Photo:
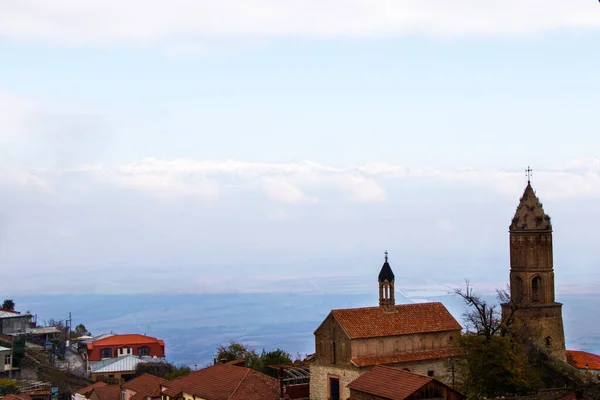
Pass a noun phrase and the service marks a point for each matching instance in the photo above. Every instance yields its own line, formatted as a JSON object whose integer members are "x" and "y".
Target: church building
{"x": 536, "y": 312}
{"x": 414, "y": 337}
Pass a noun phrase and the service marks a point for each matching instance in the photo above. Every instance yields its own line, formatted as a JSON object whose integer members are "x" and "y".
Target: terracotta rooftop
{"x": 366, "y": 361}
{"x": 144, "y": 385}
{"x": 108, "y": 392}
{"x": 20, "y": 396}
{"x": 530, "y": 215}
{"x": 406, "y": 319}
{"x": 225, "y": 382}
{"x": 389, "y": 383}
{"x": 88, "y": 389}
{"x": 583, "y": 358}
{"x": 125, "y": 339}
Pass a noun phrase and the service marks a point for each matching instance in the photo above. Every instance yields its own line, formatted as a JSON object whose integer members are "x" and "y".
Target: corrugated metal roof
{"x": 123, "y": 363}
{"x": 10, "y": 314}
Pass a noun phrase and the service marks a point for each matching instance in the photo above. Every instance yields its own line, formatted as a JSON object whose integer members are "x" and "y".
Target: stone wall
{"x": 319, "y": 380}
{"x": 402, "y": 344}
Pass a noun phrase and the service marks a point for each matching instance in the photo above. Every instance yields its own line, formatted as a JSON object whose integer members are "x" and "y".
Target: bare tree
{"x": 485, "y": 319}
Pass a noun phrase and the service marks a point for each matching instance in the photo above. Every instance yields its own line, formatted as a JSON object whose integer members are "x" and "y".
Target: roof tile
{"x": 225, "y": 382}
{"x": 406, "y": 319}
{"x": 583, "y": 358}
{"x": 144, "y": 386}
{"x": 389, "y": 383}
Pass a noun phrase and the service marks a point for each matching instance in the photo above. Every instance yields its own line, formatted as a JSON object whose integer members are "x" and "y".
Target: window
{"x": 430, "y": 372}
{"x": 7, "y": 360}
{"x": 518, "y": 289}
{"x": 548, "y": 341}
{"x": 143, "y": 351}
{"x": 106, "y": 353}
{"x": 537, "y": 290}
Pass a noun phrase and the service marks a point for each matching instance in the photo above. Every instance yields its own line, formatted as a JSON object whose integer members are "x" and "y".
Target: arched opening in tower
{"x": 518, "y": 292}
{"x": 537, "y": 290}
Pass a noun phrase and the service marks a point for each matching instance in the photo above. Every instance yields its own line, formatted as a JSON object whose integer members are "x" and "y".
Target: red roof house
{"x": 394, "y": 384}
{"x": 143, "y": 387}
{"x": 122, "y": 345}
{"x": 228, "y": 381}
{"x": 584, "y": 361}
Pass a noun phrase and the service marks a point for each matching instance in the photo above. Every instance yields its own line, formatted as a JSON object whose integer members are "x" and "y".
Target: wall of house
{"x": 402, "y": 344}
{"x": 116, "y": 375}
{"x": 442, "y": 369}
{"x": 3, "y": 365}
{"x": 332, "y": 346}
{"x": 14, "y": 325}
{"x": 319, "y": 380}
{"x": 154, "y": 349}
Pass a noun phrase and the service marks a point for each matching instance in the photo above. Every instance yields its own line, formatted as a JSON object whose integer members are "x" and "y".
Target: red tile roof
{"x": 365, "y": 361}
{"x": 570, "y": 396}
{"x": 225, "y": 382}
{"x": 144, "y": 385}
{"x": 21, "y": 396}
{"x": 371, "y": 322}
{"x": 389, "y": 383}
{"x": 88, "y": 389}
{"x": 108, "y": 392}
{"x": 583, "y": 358}
{"x": 126, "y": 339}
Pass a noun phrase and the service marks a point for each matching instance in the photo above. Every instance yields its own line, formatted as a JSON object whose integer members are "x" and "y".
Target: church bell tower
{"x": 386, "y": 286}
{"x": 532, "y": 275}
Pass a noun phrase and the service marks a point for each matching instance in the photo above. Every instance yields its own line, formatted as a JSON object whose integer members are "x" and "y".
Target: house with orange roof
{"x": 584, "y": 361}
{"x": 229, "y": 381}
{"x": 123, "y": 345}
{"x": 108, "y": 392}
{"x": 84, "y": 393}
{"x": 143, "y": 387}
{"x": 414, "y": 337}
{"x": 394, "y": 384}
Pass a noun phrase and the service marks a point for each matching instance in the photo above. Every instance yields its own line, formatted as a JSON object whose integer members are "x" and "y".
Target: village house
{"x": 5, "y": 361}
{"x": 143, "y": 387}
{"x": 229, "y": 381}
{"x": 120, "y": 368}
{"x": 386, "y": 383}
{"x": 584, "y": 361}
{"x": 84, "y": 393}
{"x": 13, "y": 322}
{"x": 108, "y": 392}
{"x": 349, "y": 342}
{"x": 123, "y": 345}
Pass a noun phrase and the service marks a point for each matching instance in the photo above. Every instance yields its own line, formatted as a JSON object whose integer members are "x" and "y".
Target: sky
{"x": 248, "y": 146}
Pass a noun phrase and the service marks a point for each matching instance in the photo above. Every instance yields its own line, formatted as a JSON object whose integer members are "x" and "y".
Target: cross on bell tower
{"x": 528, "y": 172}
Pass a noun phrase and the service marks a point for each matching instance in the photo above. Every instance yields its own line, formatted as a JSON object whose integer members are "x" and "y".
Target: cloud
{"x": 306, "y": 183}
{"x": 191, "y": 24}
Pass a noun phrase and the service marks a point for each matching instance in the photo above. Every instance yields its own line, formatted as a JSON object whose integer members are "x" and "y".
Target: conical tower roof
{"x": 530, "y": 215}
{"x": 386, "y": 272}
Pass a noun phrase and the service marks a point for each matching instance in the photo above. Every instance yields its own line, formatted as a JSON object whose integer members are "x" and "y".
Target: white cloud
{"x": 281, "y": 190}
{"x": 186, "y": 24}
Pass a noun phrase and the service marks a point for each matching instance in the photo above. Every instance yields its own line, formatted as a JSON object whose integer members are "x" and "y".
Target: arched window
{"x": 537, "y": 290}
{"x": 518, "y": 292}
{"x": 405, "y": 369}
{"x": 548, "y": 341}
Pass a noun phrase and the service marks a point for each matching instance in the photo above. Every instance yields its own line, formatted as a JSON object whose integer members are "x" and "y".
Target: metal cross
{"x": 386, "y": 255}
{"x": 528, "y": 171}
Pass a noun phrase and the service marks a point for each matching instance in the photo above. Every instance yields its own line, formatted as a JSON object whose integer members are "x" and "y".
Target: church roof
{"x": 368, "y": 322}
{"x": 386, "y": 272}
{"x": 530, "y": 215}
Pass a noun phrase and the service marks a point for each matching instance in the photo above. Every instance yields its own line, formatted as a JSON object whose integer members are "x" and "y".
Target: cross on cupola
{"x": 528, "y": 172}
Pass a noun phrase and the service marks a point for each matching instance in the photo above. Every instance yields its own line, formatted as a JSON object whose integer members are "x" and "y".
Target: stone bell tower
{"x": 386, "y": 286}
{"x": 532, "y": 275}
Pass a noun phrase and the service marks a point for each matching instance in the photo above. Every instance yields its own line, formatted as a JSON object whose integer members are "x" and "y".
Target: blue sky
{"x": 167, "y": 148}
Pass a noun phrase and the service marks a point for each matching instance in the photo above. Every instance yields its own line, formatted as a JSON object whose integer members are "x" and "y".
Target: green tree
{"x": 178, "y": 372}
{"x": 494, "y": 363}
{"x": 8, "y": 304}
{"x": 80, "y": 330}
{"x": 18, "y": 346}
{"x": 237, "y": 351}
{"x": 8, "y": 386}
{"x": 274, "y": 357}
